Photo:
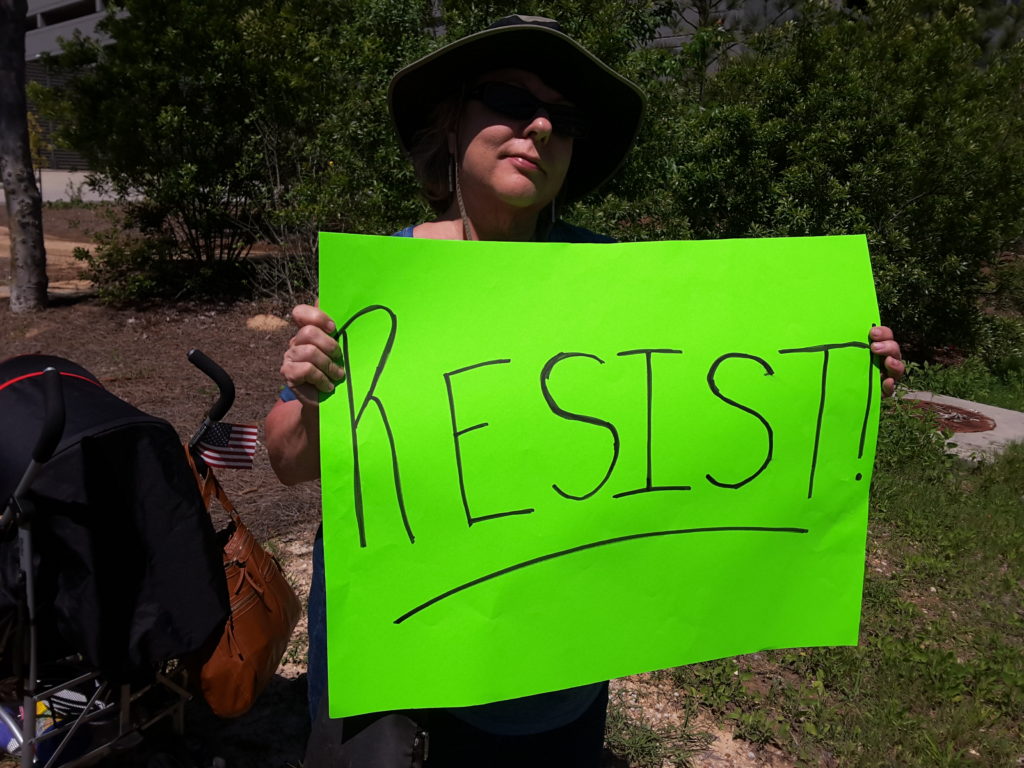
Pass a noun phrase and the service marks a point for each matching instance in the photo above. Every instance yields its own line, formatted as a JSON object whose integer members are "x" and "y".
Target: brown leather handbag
{"x": 264, "y": 611}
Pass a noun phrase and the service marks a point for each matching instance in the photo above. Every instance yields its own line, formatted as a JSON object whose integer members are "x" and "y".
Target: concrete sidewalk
{"x": 980, "y": 446}
{"x": 67, "y": 186}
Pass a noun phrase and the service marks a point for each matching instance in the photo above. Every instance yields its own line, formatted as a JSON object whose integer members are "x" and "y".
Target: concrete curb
{"x": 62, "y": 289}
{"x": 980, "y": 446}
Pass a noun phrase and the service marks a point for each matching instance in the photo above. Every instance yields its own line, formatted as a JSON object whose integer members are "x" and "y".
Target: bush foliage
{"x": 903, "y": 120}
{"x": 881, "y": 122}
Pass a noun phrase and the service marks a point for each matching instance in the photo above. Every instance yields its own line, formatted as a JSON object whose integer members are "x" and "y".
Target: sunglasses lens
{"x": 520, "y": 104}
{"x": 509, "y": 100}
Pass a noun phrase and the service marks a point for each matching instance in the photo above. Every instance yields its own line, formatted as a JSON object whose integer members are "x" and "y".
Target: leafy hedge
{"x": 894, "y": 120}
{"x": 882, "y": 122}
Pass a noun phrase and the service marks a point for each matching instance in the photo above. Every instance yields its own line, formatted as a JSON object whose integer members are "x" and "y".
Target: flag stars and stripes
{"x": 229, "y": 446}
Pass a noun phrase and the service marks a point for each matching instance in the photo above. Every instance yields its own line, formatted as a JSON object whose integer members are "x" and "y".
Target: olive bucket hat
{"x": 613, "y": 104}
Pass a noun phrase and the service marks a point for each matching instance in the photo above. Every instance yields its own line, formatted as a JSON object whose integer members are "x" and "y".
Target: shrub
{"x": 1000, "y": 343}
{"x": 129, "y": 267}
{"x": 883, "y": 122}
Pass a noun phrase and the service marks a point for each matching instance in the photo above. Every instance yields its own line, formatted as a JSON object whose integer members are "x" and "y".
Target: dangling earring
{"x": 453, "y": 173}
{"x": 467, "y": 233}
{"x": 554, "y": 214}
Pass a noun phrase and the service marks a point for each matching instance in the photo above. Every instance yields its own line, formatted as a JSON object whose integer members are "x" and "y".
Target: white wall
{"x": 44, "y": 38}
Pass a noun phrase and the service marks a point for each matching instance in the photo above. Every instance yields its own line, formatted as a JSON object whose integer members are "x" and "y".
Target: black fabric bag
{"x": 129, "y": 573}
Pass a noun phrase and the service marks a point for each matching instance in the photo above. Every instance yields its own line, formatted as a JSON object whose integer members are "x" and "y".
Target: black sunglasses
{"x": 519, "y": 104}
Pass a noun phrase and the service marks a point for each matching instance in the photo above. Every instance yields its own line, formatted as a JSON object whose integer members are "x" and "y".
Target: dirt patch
{"x": 953, "y": 419}
{"x": 663, "y": 706}
{"x": 64, "y": 229}
{"x": 72, "y": 222}
{"x": 266, "y": 323}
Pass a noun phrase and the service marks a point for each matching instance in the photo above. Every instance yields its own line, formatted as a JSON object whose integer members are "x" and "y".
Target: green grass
{"x": 636, "y": 742}
{"x": 938, "y": 677}
{"x": 974, "y": 380}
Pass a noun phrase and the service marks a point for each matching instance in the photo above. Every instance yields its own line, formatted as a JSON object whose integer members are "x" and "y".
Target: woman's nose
{"x": 539, "y": 128}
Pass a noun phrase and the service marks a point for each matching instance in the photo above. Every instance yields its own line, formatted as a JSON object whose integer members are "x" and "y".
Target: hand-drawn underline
{"x": 580, "y": 548}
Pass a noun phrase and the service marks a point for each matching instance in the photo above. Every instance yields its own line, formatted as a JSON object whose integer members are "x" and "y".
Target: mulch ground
{"x": 71, "y": 222}
{"x": 140, "y": 357}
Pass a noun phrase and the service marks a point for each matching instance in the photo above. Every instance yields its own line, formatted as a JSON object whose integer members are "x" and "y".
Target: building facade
{"x": 47, "y": 22}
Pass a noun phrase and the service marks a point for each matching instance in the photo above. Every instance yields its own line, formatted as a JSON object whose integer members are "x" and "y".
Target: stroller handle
{"x": 49, "y": 438}
{"x": 53, "y": 422}
{"x": 220, "y": 378}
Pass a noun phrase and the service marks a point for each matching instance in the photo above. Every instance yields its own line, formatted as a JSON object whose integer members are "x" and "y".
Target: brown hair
{"x": 431, "y": 159}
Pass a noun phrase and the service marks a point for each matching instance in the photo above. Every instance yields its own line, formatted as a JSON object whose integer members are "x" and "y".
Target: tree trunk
{"x": 24, "y": 204}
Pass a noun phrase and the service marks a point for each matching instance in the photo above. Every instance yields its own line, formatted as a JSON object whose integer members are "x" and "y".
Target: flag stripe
{"x": 226, "y": 451}
{"x": 225, "y": 454}
{"x": 241, "y": 446}
{"x": 230, "y": 446}
{"x": 227, "y": 464}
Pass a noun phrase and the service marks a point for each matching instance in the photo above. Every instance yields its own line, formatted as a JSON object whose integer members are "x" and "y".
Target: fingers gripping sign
{"x": 887, "y": 350}
{"x": 312, "y": 361}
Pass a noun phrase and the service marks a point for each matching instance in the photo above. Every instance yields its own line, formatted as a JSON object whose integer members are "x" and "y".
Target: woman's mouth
{"x": 524, "y": 163}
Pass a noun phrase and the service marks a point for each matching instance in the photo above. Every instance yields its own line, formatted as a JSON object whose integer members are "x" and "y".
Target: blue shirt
{"x": 559, "y": 233}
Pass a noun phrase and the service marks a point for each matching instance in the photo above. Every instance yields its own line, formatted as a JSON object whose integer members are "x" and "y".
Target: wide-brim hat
{"x": 614, "y": 104}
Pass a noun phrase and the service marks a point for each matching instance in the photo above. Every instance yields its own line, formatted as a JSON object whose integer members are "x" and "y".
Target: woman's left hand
{"x": 886, "y": 347}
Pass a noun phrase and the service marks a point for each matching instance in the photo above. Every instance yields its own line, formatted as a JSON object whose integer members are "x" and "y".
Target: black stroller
{"x": 110, "y": 569}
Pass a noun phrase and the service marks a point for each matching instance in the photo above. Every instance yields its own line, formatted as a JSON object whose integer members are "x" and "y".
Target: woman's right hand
{"x": 310, "y": 362}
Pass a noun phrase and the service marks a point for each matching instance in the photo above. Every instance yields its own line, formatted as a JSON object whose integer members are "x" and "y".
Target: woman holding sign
{"x": 504, "y": 128}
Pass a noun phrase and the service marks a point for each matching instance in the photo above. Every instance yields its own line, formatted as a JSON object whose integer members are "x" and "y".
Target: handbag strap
{"x": 209, "y": 486}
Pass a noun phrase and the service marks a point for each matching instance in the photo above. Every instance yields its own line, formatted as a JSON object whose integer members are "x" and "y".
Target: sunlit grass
{"x": 938, "y": 676}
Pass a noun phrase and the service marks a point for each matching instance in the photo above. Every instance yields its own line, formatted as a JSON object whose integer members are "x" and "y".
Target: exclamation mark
{"x": 867, "y": 406}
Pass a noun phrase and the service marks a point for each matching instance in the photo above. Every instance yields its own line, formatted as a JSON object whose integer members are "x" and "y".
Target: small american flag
{"x": 229, "y": 446}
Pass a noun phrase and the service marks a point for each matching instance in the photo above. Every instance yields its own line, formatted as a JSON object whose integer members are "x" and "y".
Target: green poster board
{"x": 553, "y": 464}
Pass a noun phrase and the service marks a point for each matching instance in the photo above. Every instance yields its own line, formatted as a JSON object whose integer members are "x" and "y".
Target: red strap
{"x": 40, "y": 373}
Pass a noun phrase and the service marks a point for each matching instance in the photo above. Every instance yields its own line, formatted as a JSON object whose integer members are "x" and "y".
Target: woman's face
{"x": 513, "y": 162}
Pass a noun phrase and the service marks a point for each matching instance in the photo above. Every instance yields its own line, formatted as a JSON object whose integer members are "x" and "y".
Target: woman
{"x": 504, "y": 127}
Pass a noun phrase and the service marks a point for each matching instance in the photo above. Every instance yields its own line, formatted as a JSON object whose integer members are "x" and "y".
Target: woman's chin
{"x": 525, "y": 199}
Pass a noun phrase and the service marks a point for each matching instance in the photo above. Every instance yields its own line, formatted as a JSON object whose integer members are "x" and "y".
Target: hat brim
{"x": 614, "y": 104}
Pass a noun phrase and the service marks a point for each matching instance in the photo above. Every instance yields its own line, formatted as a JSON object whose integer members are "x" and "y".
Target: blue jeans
{"x": 316, "y": 627}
